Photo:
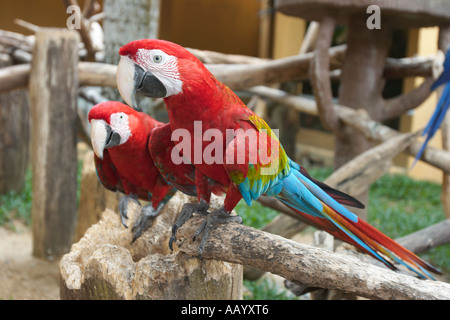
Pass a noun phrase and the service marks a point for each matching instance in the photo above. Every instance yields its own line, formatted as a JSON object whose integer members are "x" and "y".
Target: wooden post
{"x": 53, "y": 95}
{"x": 14, "y": 136}
{"x": 443, "y": 44}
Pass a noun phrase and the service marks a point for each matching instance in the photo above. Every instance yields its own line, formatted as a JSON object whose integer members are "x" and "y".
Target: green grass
{"x": 400, "y": 205}
{"x": 17, "y": 205}
{"x": 266, "y": 289}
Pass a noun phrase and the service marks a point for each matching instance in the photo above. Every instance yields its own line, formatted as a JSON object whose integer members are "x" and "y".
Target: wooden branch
{"x": 359, "y": 120}
{"x": 420, "y": 66}
{"x": 27, "y": 25}
{"x": 397, "y": 106}
{"x": 320, "y": 75}
{"x": 213, "y": 57}
{"x": 97, "y": 74}
{"x": 91, "y": 95}
{"x": 311, "y": 266}
{"x": 274, "y": 71}
{"x": 310, "y": 39}
{"x": 17, "y": 40}
{"x": 89, "y": 8}
{"x": 90, "y": 74}
{"x": 425, "y": 239}
{"x": 420, "y": 241}
{"x": 14, "y": 77}
{"x": 369, "y": 166}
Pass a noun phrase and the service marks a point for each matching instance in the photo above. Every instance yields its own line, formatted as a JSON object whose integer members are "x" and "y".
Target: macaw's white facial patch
{"x": 162, "y": 66}
{"x": 119, "y": 123}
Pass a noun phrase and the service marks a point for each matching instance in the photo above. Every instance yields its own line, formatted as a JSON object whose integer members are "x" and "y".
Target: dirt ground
{"x": 23, "y": 277}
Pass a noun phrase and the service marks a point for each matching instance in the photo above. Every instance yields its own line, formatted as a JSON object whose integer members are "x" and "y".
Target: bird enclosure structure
{"x": 50, "y": 77}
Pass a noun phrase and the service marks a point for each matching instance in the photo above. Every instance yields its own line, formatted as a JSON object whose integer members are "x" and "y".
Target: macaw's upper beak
{"x": 103, "y": 137}
{"x": 132, "y": 78}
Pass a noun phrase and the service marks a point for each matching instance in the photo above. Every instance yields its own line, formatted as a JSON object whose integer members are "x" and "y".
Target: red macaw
{"x": 200, "y": 108}
{"x": 130, "y": 157}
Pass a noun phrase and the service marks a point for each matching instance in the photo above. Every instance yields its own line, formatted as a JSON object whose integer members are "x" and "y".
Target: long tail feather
{"x": 314, "y": 205}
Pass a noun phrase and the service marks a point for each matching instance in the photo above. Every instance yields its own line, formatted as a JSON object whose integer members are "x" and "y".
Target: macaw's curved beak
{"x": 103, "y": 137}
{"x": 132, "y": 78}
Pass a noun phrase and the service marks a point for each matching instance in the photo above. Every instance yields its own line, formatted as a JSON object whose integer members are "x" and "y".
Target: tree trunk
{"x": 104, "y": 264}
{"x": 125, "y": 21}
{"x": 361, "y": 87}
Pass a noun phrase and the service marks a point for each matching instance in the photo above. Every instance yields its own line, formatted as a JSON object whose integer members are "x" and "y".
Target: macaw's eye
{"x": 157, "y": 58}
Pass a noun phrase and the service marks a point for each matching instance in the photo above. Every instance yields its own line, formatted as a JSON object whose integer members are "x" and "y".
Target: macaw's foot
{"x": 123, "y": 207}
{"x": 219, "y": 216}
{"x": 145, "y": 220}
{"x": 186, "y": 213}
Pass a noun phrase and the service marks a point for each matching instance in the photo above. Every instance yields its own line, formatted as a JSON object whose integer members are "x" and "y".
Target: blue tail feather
{"x": 436, "y": 120}
{"x": 296, "y": 194}
{"x": 441, "y": 107}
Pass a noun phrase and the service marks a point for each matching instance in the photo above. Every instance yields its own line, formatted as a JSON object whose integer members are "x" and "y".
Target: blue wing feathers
{"x": 441, "y": 107}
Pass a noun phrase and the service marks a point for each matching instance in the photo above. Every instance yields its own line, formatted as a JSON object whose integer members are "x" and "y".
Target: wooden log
{"x": 313, "y": 267}
{"x": 53, "y": 97}
{"x": 14, "y": 136}
{"x": 425, "y": 239}
{"x": 104, "y": 264}
{"x": 14, "y": 77}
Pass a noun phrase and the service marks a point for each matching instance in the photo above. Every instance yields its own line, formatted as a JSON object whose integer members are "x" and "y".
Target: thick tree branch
{"x": 308, "y": 265}
{"x": 397, "y": 106}
{"x": 320, "y": 75}
{"x": 420, "y": 66}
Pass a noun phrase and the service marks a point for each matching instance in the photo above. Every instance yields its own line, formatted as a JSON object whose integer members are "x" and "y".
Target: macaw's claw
{"x": 219, "y": 216}
{"x": 186, "y": 213}
{"x": 123, "y": 207}
{"x": 145, "y": 220}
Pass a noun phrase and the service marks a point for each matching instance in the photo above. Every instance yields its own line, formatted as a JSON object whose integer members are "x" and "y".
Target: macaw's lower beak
{"x": 132, "y": 78}
{"x": 103, "y": 137}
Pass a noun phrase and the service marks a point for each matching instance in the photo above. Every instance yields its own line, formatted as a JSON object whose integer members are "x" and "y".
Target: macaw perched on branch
{"x": 128, "y": 147}
{"x": 441, "y": 108}
{"x": 247, "y": 159}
